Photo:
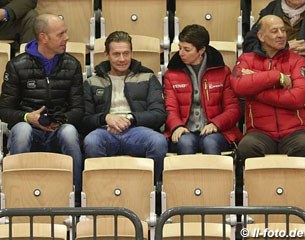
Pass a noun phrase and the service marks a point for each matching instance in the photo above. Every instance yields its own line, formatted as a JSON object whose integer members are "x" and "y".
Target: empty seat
{"x": 274, "y": 180}
{"x": 219, "y": 17}
{"x": 197, "y": 180}
{"x": 120, "y": 181}
{"x": 78, "y": 15}
{"x": 35, "y": 180}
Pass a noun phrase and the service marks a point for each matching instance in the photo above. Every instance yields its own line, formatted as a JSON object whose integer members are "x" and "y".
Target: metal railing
{"x": 243, "y": 212}
{"x": 74, "y": 214}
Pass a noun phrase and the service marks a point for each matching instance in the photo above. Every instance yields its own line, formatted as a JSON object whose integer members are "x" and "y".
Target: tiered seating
{"x": 256, "y": 7}
{"x": 120, "y": 181}
{"x": 197, "y": 180}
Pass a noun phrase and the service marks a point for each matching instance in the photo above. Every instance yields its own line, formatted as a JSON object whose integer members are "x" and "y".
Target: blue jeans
{"x": 190, "y": 143}
{"x": 135, "y": 141}
{"x": 24, "y": 138}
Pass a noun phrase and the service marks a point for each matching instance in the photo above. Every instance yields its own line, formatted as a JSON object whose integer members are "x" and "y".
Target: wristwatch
{"x": 130, "y": 117}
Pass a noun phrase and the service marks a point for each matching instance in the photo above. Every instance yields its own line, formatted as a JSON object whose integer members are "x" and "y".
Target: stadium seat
{"x": 120, "y": 181}
{"x": 227, "y": 49}
{"x": 145, "y": 49}
{"x": 274, "y": 180}
{"x": 137, "y": 17}
{"x": 21, "y": 231}
{"x": 78, "y": 15}
{"x": 220, "y": 17}
{"x": 105, "y": 228}
{"x": 197, "y": 180}
{"x": 35, "y": 180}
{"x": 256, "y": 7}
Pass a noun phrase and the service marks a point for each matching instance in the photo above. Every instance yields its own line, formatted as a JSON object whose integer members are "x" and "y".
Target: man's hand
{"x": 117, "y": 124}
{"x": 2, "y": 14}
{"x": 286, "y": 82}
{"x": 208, "y": 129}
{"x": 178, "y": 133}
{"x": 298, "y": 46}
{"x": 33, "y": 117}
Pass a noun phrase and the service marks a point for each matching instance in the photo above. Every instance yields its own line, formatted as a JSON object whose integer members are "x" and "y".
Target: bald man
{"x": 272, "y": 80}
{"x": 42, "y": 96}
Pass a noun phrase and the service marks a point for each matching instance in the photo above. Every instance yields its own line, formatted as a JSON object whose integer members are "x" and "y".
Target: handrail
{"x": 203, "y": 211}
{"x": 73, "y": 212}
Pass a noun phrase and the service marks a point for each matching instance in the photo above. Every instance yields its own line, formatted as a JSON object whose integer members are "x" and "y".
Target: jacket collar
{"x": 214, "y": 59}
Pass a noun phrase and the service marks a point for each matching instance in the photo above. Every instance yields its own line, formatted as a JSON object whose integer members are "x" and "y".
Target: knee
{"x": 22, "y": 129}
{"x": 68, "y": 133}
{"x": 159, "y": 142}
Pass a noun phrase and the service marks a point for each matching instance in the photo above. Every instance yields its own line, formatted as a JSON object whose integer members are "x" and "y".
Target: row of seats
{"x": 45, "y": 180}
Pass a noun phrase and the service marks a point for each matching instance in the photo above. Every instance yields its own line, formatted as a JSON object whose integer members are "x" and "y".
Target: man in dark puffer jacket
{"x": 123, "y": 107}
{"x": 42, "y": 96}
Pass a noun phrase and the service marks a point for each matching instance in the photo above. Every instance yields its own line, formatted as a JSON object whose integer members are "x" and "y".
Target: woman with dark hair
{"x": 202, "y": 109}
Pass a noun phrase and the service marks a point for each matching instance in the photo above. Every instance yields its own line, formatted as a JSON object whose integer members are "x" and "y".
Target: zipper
{"x": 299, "y": 117}
{"x": 251, "y": 115}
{"x": 48, "y": 89}
{"x": 206, "y": 88}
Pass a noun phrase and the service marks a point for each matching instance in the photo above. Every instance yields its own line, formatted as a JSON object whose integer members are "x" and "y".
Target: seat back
{"x": 5, "y": 52}
{"x": 119, "y": 181}
{"x": 35, "y": 180}
{"x": 77, "y": 15}
{"x": 198, "y": 180}
{"x": 145, "y": 49}
{"x": 257, "y": 6}
{"x": 137, "y": 17}
{"x": 275, "y": 181}
{"x": 219, "y": 17}
{"x": 21, "y": 231}
{"x": 105, "y": 228}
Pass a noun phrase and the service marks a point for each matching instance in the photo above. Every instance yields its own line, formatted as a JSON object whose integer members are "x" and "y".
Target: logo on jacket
{"x": 31, "y": 84}
{"x": 303, "y": 71}
{"x": 6, "y": 76}
{"x": 211, "y": 86}
{"x": 180, "y": 85}
{"x": 99, "y": 92}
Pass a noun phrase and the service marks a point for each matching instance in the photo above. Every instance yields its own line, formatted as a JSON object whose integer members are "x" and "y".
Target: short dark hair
{"x": 117, "y": 36}
{"x": 195, "y": 34}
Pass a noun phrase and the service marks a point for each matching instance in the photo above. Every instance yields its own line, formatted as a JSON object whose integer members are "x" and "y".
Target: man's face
{"x": 273, "y": 35}
{"x": 56, "y": 37}
{"x": 120, "y": 55}
{"x": 295, "y": 4}
{"x": 189, "y": 54}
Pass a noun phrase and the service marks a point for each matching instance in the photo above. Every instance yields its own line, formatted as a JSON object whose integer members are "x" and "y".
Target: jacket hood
{"x": 32, "y": 49}
{"x": 136, "y": 67}
{"x": 214, "y": 59}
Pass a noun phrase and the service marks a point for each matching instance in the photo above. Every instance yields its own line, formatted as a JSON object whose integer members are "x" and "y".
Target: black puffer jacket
{"x": 27, "y": 88}
{"x": 142, "y": 90}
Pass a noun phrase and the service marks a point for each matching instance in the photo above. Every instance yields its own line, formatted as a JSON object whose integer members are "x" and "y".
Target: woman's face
{"x": 189, "y": 54}
{"x": 295, "y": 3}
